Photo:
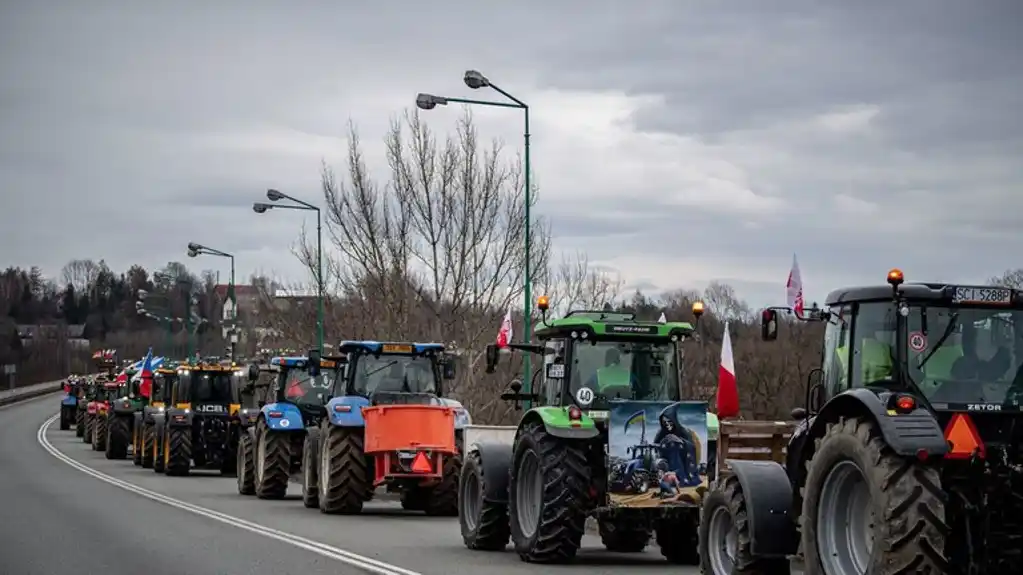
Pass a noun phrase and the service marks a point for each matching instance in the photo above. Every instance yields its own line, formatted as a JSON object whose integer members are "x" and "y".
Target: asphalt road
{"x": 66, "y": 509}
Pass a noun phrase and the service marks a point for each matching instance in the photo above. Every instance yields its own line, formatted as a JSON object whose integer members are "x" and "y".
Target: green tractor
{"x": 605, "y": 435}
{"x": 144, "y": 450}
{"x": 124, "y": 412}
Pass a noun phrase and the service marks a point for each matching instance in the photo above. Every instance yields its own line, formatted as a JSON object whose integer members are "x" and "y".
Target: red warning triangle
{"x": 963, "y": 439}
{"x": 421, "y": 464}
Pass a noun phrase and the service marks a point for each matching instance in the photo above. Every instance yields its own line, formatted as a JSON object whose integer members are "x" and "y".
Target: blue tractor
{"x": 414, "y": 454}
{"x": 271, "y": 450}
{"x": 69, "y": 403}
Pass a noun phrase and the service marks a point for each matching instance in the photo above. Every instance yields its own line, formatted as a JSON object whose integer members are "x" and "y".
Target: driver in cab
{"x": 874, "y": 349}
{"x": 613, "y": 374}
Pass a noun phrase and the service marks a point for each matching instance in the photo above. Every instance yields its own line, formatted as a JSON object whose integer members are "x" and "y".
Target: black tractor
{"x": 201, "y": 423}
{"x": 907, "y": 456}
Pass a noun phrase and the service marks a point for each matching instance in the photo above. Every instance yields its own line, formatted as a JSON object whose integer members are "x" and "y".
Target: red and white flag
{"x": 794, "y": 289}
{"x": 504, "y": 335}
{"x": 728, "y": 390}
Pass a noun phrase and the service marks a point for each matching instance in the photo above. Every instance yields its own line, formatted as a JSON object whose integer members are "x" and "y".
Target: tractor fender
{"x": 248, "y": 417}
{"x": 152, "y": 414}
{"x": 118, "y": 408}
{"x": 137, "y": 420}
{"x": 496, "y": 459}
{"x": 69, "y": 401}
{"x": 282, "y": 417}
{"x": 906, "y": 434}
{"x": 178, "y": 417}
{"x": 346, "y": 411}
{"x": 768, "y": 494}
{"x": 556, "y": 422}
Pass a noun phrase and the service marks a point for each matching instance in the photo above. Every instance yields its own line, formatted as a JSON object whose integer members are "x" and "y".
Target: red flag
{"x": 146, "y": 375}
{"x": 504, "y": 335}
{"x": 794, "y": 288}
{"x": 728, "y": 390}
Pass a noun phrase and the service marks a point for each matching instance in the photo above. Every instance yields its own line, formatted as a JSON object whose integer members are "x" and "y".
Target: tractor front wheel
{"x": 88, "y": 428}
{"x": 136, "y": 445}
{"x": 725, "y": 540}
{"x": 246, "y": 464}
{"x": 484, "y": 523}
{"x": 548, "y": 496}
{"x": 310, "y": 472}
{"x": 118, "y": 436}
{"x": 65, "y": 418}
{"x": 679, "y": 538}
{"x": 79, "y": 422}
{"x": 868, "y": 510}
{"x": 273, "y": 462}
{"x": 442, "y": 500}
{"x": 345, "y": 482}
{"x": 99, "y": 432}
{"x": 177, "y": 451}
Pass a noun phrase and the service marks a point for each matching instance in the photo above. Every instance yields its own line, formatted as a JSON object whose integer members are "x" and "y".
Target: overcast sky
{"x": 677, "y": 141}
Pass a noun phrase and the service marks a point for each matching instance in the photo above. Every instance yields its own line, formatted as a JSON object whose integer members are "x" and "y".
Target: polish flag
{"x": 146, "y": 375}
{"x": 794, "y": 289}
{"x": 504, "y": 335}
{"x": 728, "y": 391}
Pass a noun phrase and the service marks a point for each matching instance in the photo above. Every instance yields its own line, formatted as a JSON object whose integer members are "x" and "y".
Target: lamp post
{"x": 261, "y": 208}
{"x": 476, "y": 80}
{"x": 195, "y": 250}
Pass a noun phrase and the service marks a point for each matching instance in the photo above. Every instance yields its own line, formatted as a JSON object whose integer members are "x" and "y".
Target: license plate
{"x": 978, "y": 295}
{"x": 599, "y": 415}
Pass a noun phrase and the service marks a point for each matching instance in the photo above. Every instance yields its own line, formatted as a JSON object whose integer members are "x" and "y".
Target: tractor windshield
{"x": 394, "y": 373}
{"x": 302, "y": 388}
{"x": 967, "y": 355}
{"x": 626, "y": 370}
{"x": 212, "y": 387}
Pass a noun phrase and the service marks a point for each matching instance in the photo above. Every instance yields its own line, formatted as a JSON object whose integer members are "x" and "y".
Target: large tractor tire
{"x": 79, "y": 422}
{"x": 246, "y": 458}
{"x": 158, "y": 443}
{"x": 442, "y": 500}
{"x": 65, "y": 418}
{"x": 136, "y": 445}
{"x": 118, "y": 436}
{"x": 624, "y": 534}
{"x": 345, "y": 480}
{"x": 87, "y": 428}
{"x": 548, "y": 514}
{"x": 273, "y": 462}
{"x": 678, "y": 537}
{"x": 484, "y": 523}
{"x": 310, "y": 469}
{"x": 177, "y": 451}
{"x": 725, "y": 540}
{"x": 868, "y": 510}
{"x": 99, "y": 432}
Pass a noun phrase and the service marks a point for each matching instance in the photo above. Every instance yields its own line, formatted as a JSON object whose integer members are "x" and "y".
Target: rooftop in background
{"x": 294, "y": 293}
{"x": 240, "y": 291}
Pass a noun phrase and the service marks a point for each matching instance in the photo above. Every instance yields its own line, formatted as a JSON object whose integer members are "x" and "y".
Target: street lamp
{"x": 261, "y": 208}
{"x": 195, "y": 250}
{"x": 475, "y": 80}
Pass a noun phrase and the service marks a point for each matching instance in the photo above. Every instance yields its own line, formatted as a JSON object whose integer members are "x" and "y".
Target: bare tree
{"x": 81, "y": 274}
{"x": 1010, "y": 278}
{"x": 577, "y": 284}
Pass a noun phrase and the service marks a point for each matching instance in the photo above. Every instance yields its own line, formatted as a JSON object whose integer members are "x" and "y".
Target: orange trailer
{"x": 409, "y": 441}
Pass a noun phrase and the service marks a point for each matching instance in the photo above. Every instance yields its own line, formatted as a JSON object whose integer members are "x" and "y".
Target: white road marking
{"x": 366, "y": 563}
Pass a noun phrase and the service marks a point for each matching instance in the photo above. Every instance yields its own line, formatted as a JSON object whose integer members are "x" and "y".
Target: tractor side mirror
{"x": 769, "y": 325}
{"x": 492, "y": 353}
{"x": 314, "y": 362}
{"x": 448, "y": 369}
{"x": 798, "y": 413}
{"x": 515, "y": 386}
{"x": 253, "y": 372}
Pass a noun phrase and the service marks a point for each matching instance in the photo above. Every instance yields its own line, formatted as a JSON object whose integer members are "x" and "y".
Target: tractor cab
{"x": 208, "y": 388}
{"x": 394, "y": 372}
{"x": 164, "y": 378}
{"x": 300, "y": 382}
{"x": 593, "y": 358}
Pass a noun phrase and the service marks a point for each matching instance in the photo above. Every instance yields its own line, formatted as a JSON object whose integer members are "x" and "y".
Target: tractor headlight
{"x": 462, "y": 418}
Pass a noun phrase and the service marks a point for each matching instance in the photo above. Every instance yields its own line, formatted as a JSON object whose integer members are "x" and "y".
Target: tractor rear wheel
{"x": 87, "y": 434}
{"x": 65, "y": 418}
{"x": 679, "y": 538}
{"x": 548, "y": 496}
{"x": 246, "y": 464}
{"x": 624, "y": 534}
{"x": 158, "y": 464}
{"x": 484, "y": 524}
{"x": 136, "y": 445}
{"x": 725, "y": 541}
{"x": 273, "y": 462}
{"x": 99, "y": 432}
{"x": 118, "y": 435}
{"x": 345, "y": 482}
{"x": 310, "y": 472}
{"x": 177, "y": 451}
{"x": 79, "y": 422}
{"x": 442, "y": 499}
{"x": 868, "y": 510}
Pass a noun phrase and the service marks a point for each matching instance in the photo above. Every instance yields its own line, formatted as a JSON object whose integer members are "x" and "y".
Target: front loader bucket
{"x": 409, "y": 440}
